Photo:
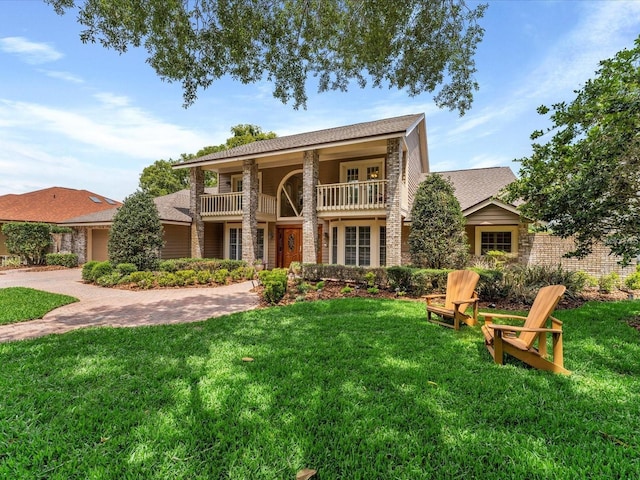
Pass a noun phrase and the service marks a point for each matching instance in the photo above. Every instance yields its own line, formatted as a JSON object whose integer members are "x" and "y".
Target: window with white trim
{"x": 357, "y": 246}
{"x": 235, "y": 243}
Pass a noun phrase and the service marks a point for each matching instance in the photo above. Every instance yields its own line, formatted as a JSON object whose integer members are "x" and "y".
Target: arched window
{"x": 290, "y": 195}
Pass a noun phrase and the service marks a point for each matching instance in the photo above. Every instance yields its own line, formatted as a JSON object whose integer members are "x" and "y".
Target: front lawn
{"x": 355, "y": 388}
{"x": 18, "y": 304}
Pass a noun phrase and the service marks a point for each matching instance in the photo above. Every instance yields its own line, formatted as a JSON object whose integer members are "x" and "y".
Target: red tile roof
{"x": 52, "y": 205}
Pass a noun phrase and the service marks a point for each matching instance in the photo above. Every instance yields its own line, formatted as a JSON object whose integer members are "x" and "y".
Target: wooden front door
{"x": 289, "y": 246}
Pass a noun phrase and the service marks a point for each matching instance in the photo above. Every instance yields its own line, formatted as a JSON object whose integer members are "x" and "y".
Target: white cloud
{"x": 30, "y": 52}
{"x": 66, "y": 76}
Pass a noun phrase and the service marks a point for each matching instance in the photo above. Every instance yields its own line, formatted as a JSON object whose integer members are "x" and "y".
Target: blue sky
{"x": 80, "y": 116}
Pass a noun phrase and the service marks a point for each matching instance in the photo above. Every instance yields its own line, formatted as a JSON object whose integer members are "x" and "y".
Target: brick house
{"x": 339, "y": 195}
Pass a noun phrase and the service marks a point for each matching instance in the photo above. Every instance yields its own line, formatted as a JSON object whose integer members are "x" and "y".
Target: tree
{"x": 29, "y": 240}
{"x": 160, "y": 178}
{"x": 136, "y": 233}
{"x": 437, "y": 238}
{"x": 413, "y": 45}
{"x": 585, "y": 180}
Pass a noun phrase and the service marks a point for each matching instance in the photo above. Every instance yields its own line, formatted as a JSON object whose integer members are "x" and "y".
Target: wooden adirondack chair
{"x": 461, "y": 285}
{"x": 519, "y": 341}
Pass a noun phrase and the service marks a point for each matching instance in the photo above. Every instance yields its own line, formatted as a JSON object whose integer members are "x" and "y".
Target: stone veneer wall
{"x": 394, "y": 219}
{"x": 545, "y": 249}
{"x": 74, "y": 242}
{"x": 310, "y": 200}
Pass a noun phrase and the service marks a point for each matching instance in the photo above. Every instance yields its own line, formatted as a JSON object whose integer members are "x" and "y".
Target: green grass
{"x": 18, "y": 304}
{"x": 355, "y": 388}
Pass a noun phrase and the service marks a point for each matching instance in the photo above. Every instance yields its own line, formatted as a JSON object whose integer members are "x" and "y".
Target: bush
{"x": 109, "y": 280}
{"x": 221, "y": 276}
{"x": 126, "y": 268}
{"x": 69, "y": 260}
{"x": 185, "y": 277}
{"x": 142, "y": 279}
{"x": 87, "y": 268}
{"x": 136, "y": 233}
{"x": 166, "y": 279}
{"x": 609, "y": 283}
{"x": 346, "y": 289}
{"x": 275, "y": 284}
{"x": 100, "y": 269}
{"x": 29, "y": 240}
{"x": 203, "y": 277}
{"x": 633, "y": 281}
{"x": 400, "y": 278}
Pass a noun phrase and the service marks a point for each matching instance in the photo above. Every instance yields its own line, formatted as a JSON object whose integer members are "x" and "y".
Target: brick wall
{"x": 545, "y": 249}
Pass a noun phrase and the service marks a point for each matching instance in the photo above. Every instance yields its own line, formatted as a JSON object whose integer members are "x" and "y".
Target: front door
{"x": 289, "y": 246}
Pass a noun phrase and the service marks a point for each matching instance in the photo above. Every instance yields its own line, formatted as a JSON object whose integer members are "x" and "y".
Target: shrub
{"x": 242, "y": 273}
{"x": 126, "y": 268}
{"x": 346, "y": 289}
{"x": 320, "y": 285}
{"x": 437, "y": 238}
{"x": 203, "y": 277}
{"x": 221, "y": 276}
{"x": 373, "y": 290}
{"x": 29, "y": 240}
{"x": 109, "y": 280}
{"x": 185, "y": 277}
{"x": 136, "y": 234}
{"x": 100, "y": 269}
{"x": 400, "y": 278}
{"x": 303, "y": 287}
{"x": 87, "y": 268}
{"x": 275, "y": 284}
{"x": 142, "y": 279}
{"x": 166, "y": 279}
{"x": 633, "y": 281}
{"x": 586, "y": 279}
{"x": 609, "y": 283}
{"x": 69, "y": 260}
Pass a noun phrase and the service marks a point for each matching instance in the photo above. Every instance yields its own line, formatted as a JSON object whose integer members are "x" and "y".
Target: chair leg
{"x": 498, "y": 347}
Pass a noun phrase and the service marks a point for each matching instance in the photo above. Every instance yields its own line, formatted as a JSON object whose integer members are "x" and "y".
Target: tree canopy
{"x": 420, "y": 46}
{"x": 437, "y": 238}
{"x": 160, "y": 178}
{"x": 585, "y": 180}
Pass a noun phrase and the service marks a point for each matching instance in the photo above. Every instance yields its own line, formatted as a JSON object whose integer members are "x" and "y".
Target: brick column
{"x": 249, "y": 210}
{"x": 310, "y": 169}
{"x": 394, "y": 220}
{"x": 196, "y": 182}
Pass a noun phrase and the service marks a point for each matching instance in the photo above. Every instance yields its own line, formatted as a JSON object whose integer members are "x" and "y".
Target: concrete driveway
{"x": 120, "y": 308}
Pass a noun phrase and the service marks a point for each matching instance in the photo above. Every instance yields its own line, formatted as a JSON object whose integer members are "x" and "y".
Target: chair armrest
{"x": 513, "y": 328}
{"x": 501, "y": 315}
{"x": 434, "y": 295}
{"x": 469, "y": 300}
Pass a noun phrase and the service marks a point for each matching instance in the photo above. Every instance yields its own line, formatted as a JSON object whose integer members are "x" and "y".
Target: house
{"x": 491, "y": 224}
{"x": 173, "y": 210}
{"x": 50, "y": 205}
{"x": 339, "y": 195}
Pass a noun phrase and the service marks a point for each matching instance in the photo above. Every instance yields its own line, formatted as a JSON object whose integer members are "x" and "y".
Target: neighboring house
{"x": 340, "y": 195}
{"x": 173, "y": 210}
{"x": 491, "y": 224}
{"x": 51, "y": 205}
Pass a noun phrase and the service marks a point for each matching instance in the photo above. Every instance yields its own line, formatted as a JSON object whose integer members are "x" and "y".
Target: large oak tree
{"x": 585, "y": 180}
{"x": 417, "y": 45}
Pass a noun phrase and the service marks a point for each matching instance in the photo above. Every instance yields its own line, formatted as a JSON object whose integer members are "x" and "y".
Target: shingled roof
{"x": 52, "y": 205}
{"x": 387, "y": 128}
{"x": 476, "y": 185}
{"x": 173, "y": 207}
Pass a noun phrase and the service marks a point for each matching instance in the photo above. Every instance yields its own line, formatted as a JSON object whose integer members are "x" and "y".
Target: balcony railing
{"x": 230, "y": 204}
{"x": 369, "y": 195}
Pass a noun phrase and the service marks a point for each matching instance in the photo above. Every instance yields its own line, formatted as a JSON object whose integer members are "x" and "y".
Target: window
{"x": 260, "y": 241}
{"x": 235, "y": 243}
{"x": 334, "y": 245}
{"x": 383, "y": 246}
{"x": 291, "y": 196}
{"x": 495, "y": 241}
{"x": 357, "y": 246}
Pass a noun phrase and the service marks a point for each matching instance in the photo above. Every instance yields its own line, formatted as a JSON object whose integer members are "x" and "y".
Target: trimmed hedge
{"x": 69, "y": 260}
{"x": 275, "y": 284}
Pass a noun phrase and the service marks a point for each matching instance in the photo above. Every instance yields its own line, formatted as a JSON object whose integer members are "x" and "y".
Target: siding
{"x": 413, "y": 168}
{"x": 99, "y": 242}
{"x": 177, "y": 241}
{"x": 213, "y": 247}
{"x": 493, "y": 215}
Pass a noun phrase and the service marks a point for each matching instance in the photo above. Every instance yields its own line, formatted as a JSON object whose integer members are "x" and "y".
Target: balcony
{"x": 353, "y": 197}
{"x": 229, "y": 206}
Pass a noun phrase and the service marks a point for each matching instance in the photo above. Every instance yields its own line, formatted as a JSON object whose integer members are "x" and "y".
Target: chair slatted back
{"x": 543, "y": 306}
{"x": 460, "y": 286}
